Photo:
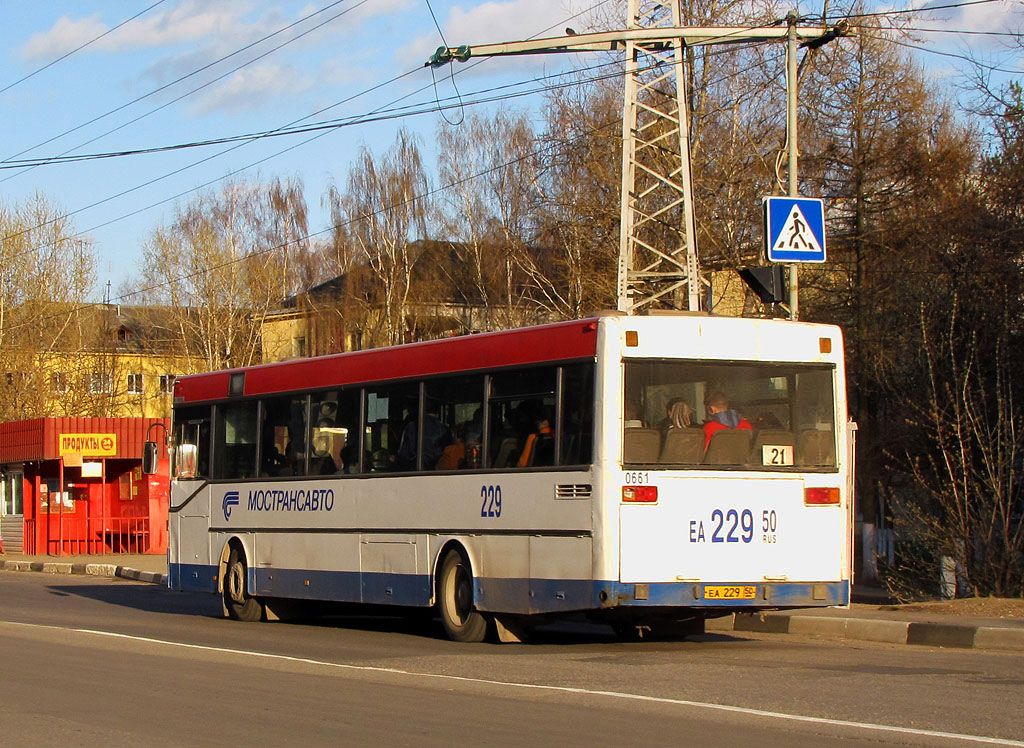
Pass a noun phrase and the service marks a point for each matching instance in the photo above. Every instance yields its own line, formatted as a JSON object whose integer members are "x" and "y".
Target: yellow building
{"x": 108, "y": 361}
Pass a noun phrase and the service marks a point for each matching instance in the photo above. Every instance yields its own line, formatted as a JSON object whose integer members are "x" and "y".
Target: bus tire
{"x": 455, "y": 601}
{"x": 239, "y": 604}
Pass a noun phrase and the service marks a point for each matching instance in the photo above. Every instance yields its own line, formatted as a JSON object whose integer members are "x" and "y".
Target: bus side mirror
{"x": 150, "y": 450}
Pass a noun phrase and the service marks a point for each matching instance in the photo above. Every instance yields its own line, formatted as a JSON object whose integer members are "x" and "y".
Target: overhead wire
{"x": 913, "y": 11}
{"x": 455, "y": 85}
{"x": 428, "y": 193}
{"x": 79, "y": 48}
{"x": 262, "y": 160}
{"x": 176, "y": 81}
{"x": 938, "y": 53}
{"x": 33, "y": 163}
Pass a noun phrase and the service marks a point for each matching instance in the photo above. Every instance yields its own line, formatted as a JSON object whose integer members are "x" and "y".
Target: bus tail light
{"x": 821, "y": 496}
{"x": 640, "y": 494}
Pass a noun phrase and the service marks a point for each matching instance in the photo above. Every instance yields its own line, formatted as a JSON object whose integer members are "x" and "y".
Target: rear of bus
{"x": 753, "y": 512}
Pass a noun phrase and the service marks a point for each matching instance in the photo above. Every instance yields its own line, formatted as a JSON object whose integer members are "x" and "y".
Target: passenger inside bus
{"x": 436, "y": 437}
{"x": 721, "y": 416}
{"x": 540, "y": 445}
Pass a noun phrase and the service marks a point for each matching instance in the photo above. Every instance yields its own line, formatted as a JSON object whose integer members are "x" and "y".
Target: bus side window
{"x": 391, "y": 415}
{"x": 520, "y": 403}
{"x": 334, "y": 434}
{"x": 283, "y": 436}
{"x": 577, "y": 418}
{"x": 457, "y": 403}
{"x": 191, "y": 454}
{"x": 235, "y": 441}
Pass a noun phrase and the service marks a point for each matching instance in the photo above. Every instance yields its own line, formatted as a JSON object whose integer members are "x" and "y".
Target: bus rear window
{"x": 754, "y": 416}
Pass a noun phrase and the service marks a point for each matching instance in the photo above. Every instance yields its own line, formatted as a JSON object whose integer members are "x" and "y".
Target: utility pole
{"x": 658, "y": 261}
{"x": 792, "y": 82}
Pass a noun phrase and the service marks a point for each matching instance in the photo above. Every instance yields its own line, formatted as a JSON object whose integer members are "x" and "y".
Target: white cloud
{"x": 65, "y": 35}
{"x": 253, "y": 87}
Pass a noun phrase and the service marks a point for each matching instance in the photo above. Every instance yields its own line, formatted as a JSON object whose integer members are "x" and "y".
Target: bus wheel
{"x": 455, "y": 600}
{"x": 239, "y": 604}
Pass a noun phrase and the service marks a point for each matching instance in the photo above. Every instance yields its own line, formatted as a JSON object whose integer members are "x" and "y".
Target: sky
{"x": 97, "y": 76}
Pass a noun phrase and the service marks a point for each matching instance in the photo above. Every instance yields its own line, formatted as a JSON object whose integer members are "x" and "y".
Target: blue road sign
{"x": 794, "y": 229}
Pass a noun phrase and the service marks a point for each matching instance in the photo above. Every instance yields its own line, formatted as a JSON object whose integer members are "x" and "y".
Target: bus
{"x": 505, "y": 479}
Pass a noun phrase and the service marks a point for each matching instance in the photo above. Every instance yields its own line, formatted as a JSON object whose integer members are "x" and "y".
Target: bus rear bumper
{"x": 723, "y": 595}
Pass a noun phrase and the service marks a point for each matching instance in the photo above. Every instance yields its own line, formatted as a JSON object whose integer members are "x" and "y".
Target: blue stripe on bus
{"x": 515, "y": 595}
{"x": 192, "y": 577}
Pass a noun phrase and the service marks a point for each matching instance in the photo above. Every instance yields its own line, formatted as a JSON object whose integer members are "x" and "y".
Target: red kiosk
{"x": 81, "y": 485}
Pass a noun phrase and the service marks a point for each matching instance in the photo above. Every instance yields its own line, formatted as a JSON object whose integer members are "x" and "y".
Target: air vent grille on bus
{"x": 573, "y": 491}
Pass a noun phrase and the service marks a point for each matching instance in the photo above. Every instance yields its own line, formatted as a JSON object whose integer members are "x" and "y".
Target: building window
{"x": 99, "y": 382}
{"x": 60, "y": 381}
{"x": 167, "y": 384}
{"x": 299, "y": 347}
{"x": 134, "y": 384}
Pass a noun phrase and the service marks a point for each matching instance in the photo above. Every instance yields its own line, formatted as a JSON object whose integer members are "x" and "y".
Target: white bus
{"x": 648, "y": 472}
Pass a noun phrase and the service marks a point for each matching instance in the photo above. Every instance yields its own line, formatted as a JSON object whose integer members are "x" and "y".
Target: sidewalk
{"x": 871, "y": 620}
{"x": 139, "y": 567}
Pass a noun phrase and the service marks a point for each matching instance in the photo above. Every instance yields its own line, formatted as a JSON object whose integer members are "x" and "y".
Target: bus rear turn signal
{"x": 640, "y": 494}
{"x": 820, "y": 496}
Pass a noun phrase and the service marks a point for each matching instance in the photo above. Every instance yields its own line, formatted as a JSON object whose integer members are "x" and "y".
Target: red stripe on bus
{"x": 531, "y": 345}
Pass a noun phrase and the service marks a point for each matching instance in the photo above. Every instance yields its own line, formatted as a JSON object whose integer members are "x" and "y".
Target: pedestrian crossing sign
{"x": 794, "y": 229}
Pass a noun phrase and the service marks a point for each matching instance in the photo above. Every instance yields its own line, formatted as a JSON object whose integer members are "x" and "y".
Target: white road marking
{"x": 541, "y": 687}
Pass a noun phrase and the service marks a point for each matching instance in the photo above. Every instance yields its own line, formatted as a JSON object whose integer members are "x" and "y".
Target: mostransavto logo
{"x": 230, "y": 500}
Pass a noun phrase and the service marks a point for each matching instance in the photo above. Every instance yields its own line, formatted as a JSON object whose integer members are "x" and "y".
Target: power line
{"x": 263, "y": 160}
{"x": 33, "y": 163}
{"x": 358, "y": 119}
{"x": 963, "y": 32}
{"x": 176, "y": 81}
{"x": 908, "y": 11}
{"x": 80, "y": 47}
{"x": 428, "y": 193}
{"x": 938, "y": 53}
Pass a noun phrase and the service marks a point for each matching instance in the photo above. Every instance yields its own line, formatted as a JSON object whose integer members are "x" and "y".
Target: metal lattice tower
{"x": 657, "y": 238}
{"x": 657, "y": 242}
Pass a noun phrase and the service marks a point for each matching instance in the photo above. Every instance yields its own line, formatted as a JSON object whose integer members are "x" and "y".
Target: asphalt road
{"x": 91, "y": 661}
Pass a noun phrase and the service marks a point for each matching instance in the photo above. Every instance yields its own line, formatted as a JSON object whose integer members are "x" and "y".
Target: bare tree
{"x": 225, "y": 260}
{"x": 488, "y": 172}
{"x": 384, "y": 208}
{"x": 46, "y": 273}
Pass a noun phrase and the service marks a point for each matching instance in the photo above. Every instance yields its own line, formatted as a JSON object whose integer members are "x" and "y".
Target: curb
{"x": 878, "y": 630}
{"x": 96, "y": 570}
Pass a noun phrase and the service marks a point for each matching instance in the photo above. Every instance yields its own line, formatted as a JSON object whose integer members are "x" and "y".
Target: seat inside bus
{"x": 641, "y": 446}
{"x": 729, "y": 447}
{"x": 816, "y": 447}
{"x": 683, "y": 447}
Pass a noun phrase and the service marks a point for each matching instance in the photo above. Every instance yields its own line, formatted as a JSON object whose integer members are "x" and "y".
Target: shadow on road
{"x": 150, "y": 598}
{"x": 419, "y": 623}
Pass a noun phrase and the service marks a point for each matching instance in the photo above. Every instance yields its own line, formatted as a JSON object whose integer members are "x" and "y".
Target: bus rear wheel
{"x": 455, "y": 600}
{"x": 239, "y": 604}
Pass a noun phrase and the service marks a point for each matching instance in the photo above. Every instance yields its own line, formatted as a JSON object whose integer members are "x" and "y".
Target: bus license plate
{"x": 731, "y": 592}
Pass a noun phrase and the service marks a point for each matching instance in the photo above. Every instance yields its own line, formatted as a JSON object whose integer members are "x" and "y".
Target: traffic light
{"x": 767, "y": 281}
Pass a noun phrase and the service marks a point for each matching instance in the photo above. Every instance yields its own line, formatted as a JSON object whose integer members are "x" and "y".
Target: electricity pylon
{"x": 658, "y": 261}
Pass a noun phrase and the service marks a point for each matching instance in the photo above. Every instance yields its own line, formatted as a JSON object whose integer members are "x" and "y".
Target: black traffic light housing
{"x": 767, "y": 281}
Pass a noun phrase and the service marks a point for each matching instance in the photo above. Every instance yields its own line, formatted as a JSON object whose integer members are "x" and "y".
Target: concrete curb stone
{"x": 96, "y": 570}
{"x": 878, "y": 630}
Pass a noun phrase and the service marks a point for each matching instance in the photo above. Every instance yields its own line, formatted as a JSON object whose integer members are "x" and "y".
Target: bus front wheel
{"x": 455, "y": 599}
{"x": 239, "y": 604}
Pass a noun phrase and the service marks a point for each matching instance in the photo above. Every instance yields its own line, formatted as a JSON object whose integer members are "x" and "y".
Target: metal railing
{"x": 87, "y": 536}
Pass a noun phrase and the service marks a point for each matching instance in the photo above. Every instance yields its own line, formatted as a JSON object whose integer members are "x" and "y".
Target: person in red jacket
{"x": 721, "y": 416}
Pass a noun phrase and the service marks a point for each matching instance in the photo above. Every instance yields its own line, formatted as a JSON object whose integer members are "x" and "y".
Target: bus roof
{"x": 561, "y": 341}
